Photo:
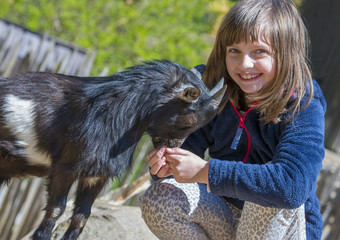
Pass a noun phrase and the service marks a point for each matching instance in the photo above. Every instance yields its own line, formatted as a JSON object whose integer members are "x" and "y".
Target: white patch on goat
{"x": 19, "y": 116}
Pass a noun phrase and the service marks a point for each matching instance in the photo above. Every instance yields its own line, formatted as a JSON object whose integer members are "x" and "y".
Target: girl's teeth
{"x": 249, "y": 76}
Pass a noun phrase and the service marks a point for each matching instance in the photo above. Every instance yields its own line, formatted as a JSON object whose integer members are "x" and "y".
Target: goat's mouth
{"x": 159, "y": 142}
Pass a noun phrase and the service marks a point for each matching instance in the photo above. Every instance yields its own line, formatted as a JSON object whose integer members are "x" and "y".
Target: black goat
{"x": 86, "y": 128}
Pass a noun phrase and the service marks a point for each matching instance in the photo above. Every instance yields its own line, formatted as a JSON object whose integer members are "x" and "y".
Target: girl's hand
{"x": 157, "y": 163}
{"x": 186, "y": 167}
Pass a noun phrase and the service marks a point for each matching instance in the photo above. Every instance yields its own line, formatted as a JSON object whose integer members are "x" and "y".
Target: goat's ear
{"x": 189, "y": 94}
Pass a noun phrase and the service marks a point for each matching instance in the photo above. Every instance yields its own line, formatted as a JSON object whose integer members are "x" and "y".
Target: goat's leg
{"x": 88, "y": 190}
{"x": 58, "y": 188}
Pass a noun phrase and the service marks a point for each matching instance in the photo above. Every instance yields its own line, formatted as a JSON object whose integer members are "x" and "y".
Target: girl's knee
{"x": 167, "y": 210}
{"x": 156, "y": 193}
{"x": 161, "y": 196}
{"x": 161, "y": 204}
{"x": 167, "y": 197}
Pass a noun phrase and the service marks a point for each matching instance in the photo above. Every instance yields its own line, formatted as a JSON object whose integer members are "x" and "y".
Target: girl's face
{"x": 251, "y": 65}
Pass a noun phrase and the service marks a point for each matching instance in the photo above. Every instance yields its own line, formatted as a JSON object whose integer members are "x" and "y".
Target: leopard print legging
{"x": 179, "y": 211}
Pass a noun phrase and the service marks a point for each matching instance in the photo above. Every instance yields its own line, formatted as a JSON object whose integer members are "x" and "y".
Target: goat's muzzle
{"x": 159, "y": 142}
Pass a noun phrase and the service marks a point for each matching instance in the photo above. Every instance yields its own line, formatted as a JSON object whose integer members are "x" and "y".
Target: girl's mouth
{"x": 249, "y": 77}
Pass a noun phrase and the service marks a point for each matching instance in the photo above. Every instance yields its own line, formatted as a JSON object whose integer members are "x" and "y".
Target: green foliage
{"x": 124, "y": 33}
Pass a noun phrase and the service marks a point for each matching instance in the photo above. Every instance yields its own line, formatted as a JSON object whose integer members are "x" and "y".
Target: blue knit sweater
{"x": 273, "y": 165}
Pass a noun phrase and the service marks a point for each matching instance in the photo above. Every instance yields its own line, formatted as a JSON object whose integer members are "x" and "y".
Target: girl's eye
{"x": 233, "y": 50}
{"x": 261, "y": 51}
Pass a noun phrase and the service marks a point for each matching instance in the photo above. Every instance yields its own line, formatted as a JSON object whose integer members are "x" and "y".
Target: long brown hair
{"x": 283, "y": 28}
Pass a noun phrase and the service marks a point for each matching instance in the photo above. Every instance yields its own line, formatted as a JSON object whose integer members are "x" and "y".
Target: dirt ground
{"x": 108, "y": 222}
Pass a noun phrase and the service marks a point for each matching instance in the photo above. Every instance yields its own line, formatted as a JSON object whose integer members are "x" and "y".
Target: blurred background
{"x": 125, "y": 32}
{"x": 101, "y": 37}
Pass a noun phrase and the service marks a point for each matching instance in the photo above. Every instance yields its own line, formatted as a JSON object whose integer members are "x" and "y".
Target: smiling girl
{"x": 266, "y": 145}
{"x": 251, "y": 65}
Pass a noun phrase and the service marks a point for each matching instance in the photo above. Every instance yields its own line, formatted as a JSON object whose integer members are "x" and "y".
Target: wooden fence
{"x": 22, "y": 50}
{"x": 328, "y": 192}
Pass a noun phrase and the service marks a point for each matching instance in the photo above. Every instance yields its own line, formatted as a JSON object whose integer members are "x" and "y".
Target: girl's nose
{"x": 247, "y": 62}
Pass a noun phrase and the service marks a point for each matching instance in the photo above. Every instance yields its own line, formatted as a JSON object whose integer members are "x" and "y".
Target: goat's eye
{"x": 191, "y": 119}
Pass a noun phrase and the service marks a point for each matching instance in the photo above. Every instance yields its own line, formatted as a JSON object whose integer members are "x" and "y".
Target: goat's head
{"x": 191, "y": 106}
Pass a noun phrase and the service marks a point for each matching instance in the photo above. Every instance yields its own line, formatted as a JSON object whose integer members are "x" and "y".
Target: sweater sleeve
{"x": 290, "y": 178}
